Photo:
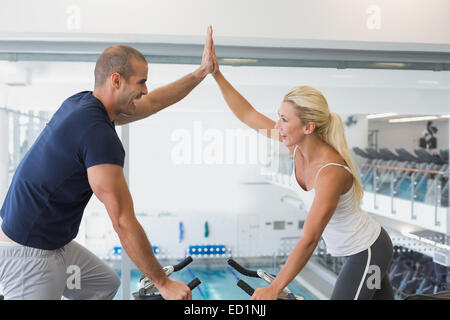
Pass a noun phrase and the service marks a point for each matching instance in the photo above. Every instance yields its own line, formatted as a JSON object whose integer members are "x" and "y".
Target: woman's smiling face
{"x": 289, "y": 125}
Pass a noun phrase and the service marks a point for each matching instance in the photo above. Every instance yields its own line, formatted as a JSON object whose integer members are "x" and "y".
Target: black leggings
{"x": 365, "y": 275}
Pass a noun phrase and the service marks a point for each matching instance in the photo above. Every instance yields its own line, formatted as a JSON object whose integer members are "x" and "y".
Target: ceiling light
{"x": 381, "y": 115}
{"x": 390, "y": 64}
{"x": 412, "y": 119}
{"x": 427, "y": 82}
{"x": 238, "y": 60}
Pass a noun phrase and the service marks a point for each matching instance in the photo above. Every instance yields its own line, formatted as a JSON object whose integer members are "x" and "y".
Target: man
{"x": 77, "y": 154}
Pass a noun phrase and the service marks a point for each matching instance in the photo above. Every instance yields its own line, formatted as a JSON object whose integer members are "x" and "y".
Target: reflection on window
{"x": 24, "y": 128}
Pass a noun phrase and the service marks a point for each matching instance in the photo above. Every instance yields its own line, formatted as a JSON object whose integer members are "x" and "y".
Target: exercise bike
{"x": 286, "y": 294}
{"x": 148, "y": 291}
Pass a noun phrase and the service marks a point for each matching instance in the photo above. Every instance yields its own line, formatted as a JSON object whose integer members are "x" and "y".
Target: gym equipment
{"x": 383, "y": 185}
{"x": 364, "y": 171}
{"x": 286, "y": 293}
{"x": 444, "y": 295}
{"x": 444, "y": 155}
{"x": 148, "y": 291}
{"x": 416, "y": 276}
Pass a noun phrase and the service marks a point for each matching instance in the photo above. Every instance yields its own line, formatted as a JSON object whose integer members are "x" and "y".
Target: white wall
{"x": 402, "y": 21}
{"x": 407, "y": 135}
{"x": 3, "y": 91}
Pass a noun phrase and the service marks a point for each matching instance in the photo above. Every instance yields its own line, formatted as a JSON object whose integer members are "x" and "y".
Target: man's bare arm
{"x": 161, "y": 98}
{"x": 109, "y": 185}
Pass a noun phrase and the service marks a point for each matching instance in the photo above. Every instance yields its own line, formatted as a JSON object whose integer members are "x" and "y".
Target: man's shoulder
{"x": 78, "y": 98}
{"x": 78, "y": 116}
{"x": 86, "y": 108}
{"x": 84, "y": 101}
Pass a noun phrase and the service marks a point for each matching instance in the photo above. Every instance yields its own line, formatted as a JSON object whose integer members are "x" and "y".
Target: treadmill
{"x": 375, "y": 154}
{"x": 427, "y": 157}
{"x": 406, "y": 156}
{"x": 389, "y": 154}
{"x": 365, "y": 172}
{"x": 361, "y": 153}
{"x": 444, "y": 155}
{"x": 386, "y": 174}
{"x": 403, "y": 186}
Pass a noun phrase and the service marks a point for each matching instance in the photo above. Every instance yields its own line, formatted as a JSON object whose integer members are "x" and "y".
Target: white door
{"x": 248, "y": 236}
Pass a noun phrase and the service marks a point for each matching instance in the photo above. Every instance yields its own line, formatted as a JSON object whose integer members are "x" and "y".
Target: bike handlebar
{"x": 182, "y": 264}
{"x": 147, "y": 291}
{"x": 177, "y": 267}
{"x": 246, "y": 287}
{"x": 241, "y": 269}
{"x": 257, "y": 274}
{"x": 249, "y": 290}
{"x": 192, "y": 285}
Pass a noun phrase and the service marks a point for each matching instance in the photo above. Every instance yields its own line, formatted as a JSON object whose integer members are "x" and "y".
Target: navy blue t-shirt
{"x": 50, "y": 189}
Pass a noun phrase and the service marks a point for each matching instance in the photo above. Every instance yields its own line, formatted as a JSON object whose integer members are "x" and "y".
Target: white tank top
{"x": 350, "y": 229}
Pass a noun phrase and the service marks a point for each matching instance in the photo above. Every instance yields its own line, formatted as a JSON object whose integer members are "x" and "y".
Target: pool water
{"x": 218, "y": 282}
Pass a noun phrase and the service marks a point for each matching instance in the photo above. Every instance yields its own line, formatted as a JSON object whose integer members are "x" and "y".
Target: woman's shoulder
{"x": 334, "y": 160}
{"x": 333, "y": 157}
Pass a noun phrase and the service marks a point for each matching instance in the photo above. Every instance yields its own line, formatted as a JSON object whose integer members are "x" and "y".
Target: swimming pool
{"x": 218, "y": 282}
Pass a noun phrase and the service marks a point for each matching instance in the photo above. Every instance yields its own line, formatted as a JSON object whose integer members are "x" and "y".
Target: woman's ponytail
{"x": 335, "y": 137}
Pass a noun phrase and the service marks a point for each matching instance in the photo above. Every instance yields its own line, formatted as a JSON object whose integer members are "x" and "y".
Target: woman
{"x": 327, "y": 181}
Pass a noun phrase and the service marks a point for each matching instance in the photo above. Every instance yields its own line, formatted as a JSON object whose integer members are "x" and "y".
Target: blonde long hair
{"x": 311, "y": 106}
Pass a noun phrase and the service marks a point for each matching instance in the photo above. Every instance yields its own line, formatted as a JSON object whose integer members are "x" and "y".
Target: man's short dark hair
{"x": 116, "y": 58}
